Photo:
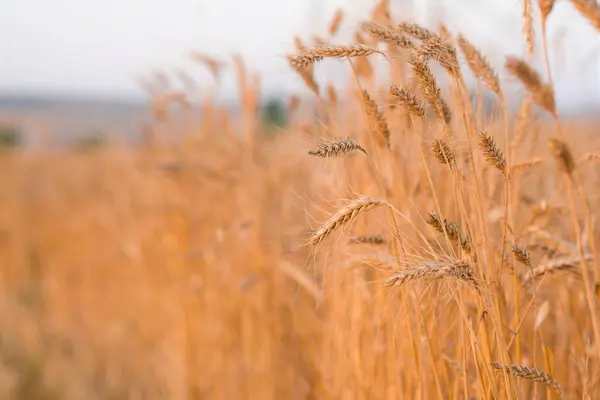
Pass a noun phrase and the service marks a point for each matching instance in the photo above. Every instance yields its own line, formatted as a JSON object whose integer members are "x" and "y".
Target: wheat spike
{"x": 590, "y": 10}
{"x": 344, "y": 51}
{"x": 387, "y": 35}
{"x": 543, "y": 94}
{"x": 426, "y": 81}
{"x": 442, "y": 52}
{"x": 528, "y": 30}
{"x": 491, "y": 152}
{"x": 408, "y": 100}
{"x": 376, "y": 117}
{"x": 336, "y": 21}
{"x": 375, "y": 240}
{"x": 455, "y": 269}
{"x": 443, "y": 151}
{"x": 479, "y": 65}
{"x": 335, "y": 148}
{"x": 344, "y": 216}
{"x": 444, "y": 112}
{"x": 546, "y": 7}
{"x": 530, "y": 373}
{"x": 557, "y": 264}
{"x": 522, "y": 255}
{"x": 453, "y": 231}
{"x": 525, "y": 165}
{"x": 562, "y": 154}
{"x": 302, "y": 62}
{"x": 590, "y": 157}
{"x": 416, "y": 31}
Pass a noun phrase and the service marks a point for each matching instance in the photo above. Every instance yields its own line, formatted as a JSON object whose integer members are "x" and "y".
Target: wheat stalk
{"x": 530, "y": 373}
{"x": 344, "y": 216}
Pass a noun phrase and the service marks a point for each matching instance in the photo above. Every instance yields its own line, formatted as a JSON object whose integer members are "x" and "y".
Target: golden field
{"x": 442, "y": 252}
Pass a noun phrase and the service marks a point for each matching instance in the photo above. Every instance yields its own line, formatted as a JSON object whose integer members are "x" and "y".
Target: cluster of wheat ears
{"x": 397, "y": 238}
{"x": 466, "y": 251}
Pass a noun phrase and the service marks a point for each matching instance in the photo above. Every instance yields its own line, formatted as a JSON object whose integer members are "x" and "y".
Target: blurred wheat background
{"x": 414, "y": 215}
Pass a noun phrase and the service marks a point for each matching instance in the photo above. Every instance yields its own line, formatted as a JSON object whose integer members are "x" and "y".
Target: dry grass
{"x": 189, "y": 267}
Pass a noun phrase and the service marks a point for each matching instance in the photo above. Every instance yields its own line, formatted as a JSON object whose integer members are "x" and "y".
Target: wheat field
{"x": 391, "y": 241}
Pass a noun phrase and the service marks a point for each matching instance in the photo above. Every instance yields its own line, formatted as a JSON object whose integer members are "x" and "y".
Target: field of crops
{"x": 392, "y": 240}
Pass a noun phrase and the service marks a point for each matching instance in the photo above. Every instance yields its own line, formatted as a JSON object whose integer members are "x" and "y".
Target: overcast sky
{"x": 99, "y": 47}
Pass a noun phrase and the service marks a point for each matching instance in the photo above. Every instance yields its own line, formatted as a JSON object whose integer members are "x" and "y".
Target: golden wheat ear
{"x": 590, "y": 10}
{"x": 344, "y": 216}
{"x": 530, "y": 373}
{"x": 543, "y": 94}
{"x": 335, "y": 148}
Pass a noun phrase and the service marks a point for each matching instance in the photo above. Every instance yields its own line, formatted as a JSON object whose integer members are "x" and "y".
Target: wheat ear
{"x": 491, "y": 152}
{"x": 590, "y": 10}
{"x": 335, "y": 148}
{"x": 479, "y": 65}
{"x": 408, "y": 100}
{"x": 456, "y": 269}
{"x": 530, "y": 373}
{"x": 543, "y": 94}
{"x": 388, "y": 35}
{"x": 344, "y": 216}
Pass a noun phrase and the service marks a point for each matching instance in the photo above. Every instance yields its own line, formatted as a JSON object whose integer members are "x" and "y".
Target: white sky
{"x": 99, "y": 47}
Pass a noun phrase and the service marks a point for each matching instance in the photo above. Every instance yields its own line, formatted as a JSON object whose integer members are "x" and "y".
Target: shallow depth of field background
{"x": 156, "y": 197}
